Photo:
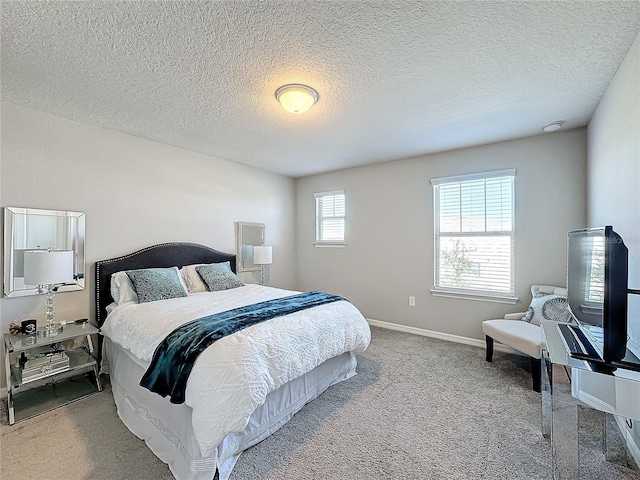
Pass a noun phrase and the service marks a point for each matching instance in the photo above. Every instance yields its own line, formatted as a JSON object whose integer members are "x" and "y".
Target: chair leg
{"x": 489, "y": 341}
{"x": 536, "y": 371}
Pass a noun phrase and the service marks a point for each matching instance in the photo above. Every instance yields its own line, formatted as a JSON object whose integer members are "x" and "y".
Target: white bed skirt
{"x": 166, "y": 427}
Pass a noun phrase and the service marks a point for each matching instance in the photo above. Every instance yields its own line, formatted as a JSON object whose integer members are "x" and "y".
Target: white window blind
{"x": 474, "y": 234}
{"x": 330, "y": 214}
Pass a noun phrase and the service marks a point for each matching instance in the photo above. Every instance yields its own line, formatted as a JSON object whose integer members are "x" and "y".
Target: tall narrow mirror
{"x": 248, "y": 235}
{"x": 36, "y": 229}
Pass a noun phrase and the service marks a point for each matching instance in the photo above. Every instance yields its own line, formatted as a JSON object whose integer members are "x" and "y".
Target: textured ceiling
{"x": 396, "y": 79}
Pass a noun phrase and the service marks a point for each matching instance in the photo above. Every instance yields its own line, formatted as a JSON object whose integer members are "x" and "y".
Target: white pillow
{"x": 192, "y": 279}
{"x": 547, "y": 306}
{"x": 122, "y": 290}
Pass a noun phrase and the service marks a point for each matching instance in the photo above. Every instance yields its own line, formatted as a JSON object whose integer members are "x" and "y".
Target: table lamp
{"x": 47, "y": 269}
{"x": 262, "y": 255}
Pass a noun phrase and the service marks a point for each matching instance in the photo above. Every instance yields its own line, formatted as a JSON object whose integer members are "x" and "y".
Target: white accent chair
{"x": 520, "y": 335}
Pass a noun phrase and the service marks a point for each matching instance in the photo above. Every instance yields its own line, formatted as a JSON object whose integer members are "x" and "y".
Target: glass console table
{"x": 568, "y": 383}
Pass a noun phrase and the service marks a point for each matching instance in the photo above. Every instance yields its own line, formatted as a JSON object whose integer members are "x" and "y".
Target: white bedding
{"x": 232, "y": 378}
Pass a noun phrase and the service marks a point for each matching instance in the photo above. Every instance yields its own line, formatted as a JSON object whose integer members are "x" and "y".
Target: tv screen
{"x": 597, "y": 288}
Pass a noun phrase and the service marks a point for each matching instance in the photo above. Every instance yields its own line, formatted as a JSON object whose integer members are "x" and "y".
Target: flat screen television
{"x": 597, "y": 289}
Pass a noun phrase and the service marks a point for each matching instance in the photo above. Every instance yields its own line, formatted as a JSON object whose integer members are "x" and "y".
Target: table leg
{"x": 564, "y": 439}
{"x": 96, "y": 369}
{"x": 7, "y": 367}
{"x": 546, "y": 381}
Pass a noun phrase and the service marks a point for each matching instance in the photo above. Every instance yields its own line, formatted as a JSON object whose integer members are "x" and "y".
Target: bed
{"x": 243, "y": 387}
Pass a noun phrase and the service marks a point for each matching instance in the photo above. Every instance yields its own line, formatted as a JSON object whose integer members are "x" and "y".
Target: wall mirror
{"x": 36, "y": 229}
{"x": 248, "y": 235}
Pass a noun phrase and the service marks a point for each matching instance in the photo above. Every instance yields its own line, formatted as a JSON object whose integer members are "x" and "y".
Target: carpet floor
{"x": 419, "y": 408}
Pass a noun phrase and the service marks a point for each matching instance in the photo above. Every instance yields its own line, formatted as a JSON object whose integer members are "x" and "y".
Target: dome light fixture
{"x": 552, "y": 127}
{"x": 296, "y": 98}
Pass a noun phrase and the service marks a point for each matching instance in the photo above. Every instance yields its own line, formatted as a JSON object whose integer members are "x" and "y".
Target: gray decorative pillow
{"x": 153, "y": 284}
{"x": 547, "y": 306}
{"x": 218, "y": 276}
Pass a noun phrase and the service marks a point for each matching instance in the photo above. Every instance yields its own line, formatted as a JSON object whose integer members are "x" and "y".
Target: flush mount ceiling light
{"x": 552, "y": 127}
{"x": 296, "y": 98}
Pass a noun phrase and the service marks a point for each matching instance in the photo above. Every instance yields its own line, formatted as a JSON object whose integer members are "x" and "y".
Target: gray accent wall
{"x": 389, "y": 229}
{"x": 135, "y": 193}
{"x": 614, "y": 172}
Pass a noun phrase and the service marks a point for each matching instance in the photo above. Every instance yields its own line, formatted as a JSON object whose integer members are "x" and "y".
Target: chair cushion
{"x": 519, "y": 335}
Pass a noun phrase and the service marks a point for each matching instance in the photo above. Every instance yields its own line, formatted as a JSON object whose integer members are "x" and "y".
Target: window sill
{"x": 475, "y": 296}
{"x": 330, "y": 245}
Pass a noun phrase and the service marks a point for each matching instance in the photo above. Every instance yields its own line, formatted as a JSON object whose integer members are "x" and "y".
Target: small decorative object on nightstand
{"x": 29, "y": 327}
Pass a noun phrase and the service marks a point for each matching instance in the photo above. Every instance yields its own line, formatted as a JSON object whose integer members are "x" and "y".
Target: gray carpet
{"x": 419, "y": 408}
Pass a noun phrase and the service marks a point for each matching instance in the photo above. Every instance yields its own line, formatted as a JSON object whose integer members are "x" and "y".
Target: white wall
{"x": 614, "y": 170}
{"x": 389, "y": 229}
{"x": 135, "y": 193}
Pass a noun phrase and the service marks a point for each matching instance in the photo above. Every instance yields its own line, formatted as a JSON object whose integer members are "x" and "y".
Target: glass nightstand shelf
{"x": 51, "y": 384}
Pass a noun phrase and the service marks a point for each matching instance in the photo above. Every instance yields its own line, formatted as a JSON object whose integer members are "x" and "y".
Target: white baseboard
{"x": 442, "y": 336}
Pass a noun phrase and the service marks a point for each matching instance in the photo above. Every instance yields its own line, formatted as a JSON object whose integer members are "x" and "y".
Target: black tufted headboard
{"x": 176, "y": 254}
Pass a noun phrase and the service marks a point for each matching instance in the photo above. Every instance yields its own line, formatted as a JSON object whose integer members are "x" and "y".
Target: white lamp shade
{"x": 262, "y": 255}
{"x": 42, "y": 267}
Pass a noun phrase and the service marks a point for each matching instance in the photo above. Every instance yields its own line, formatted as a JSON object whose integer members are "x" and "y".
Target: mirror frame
{"x": 9, "y": 288}
{"x": 242, "y": 264}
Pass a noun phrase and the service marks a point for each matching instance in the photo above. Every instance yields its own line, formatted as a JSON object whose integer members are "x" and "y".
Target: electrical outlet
{"x": 412, "y": 301}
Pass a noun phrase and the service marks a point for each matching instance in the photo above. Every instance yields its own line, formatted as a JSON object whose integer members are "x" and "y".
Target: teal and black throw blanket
{"x": 174, "y": 358}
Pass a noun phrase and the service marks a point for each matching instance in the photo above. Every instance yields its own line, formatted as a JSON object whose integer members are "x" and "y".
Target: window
{"x": 330, "y": 210}
{"x": 474, "y": 235}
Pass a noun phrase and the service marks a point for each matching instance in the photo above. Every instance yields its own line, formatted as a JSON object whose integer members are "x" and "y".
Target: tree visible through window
{"x": 474, "y": 234}
{"x": 330, "y": 215}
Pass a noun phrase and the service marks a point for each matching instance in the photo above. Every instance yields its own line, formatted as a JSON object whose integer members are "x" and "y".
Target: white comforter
{"x": 231, "y": 378}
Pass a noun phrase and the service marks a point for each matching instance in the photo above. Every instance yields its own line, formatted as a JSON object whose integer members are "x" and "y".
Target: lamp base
{"x": 52, "y": 331}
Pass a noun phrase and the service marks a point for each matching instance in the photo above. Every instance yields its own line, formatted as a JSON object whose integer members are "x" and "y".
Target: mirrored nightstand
{"x": 44, "y": 373}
